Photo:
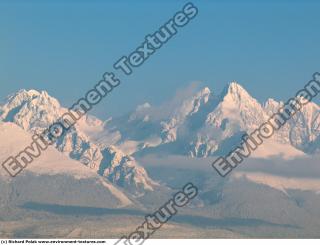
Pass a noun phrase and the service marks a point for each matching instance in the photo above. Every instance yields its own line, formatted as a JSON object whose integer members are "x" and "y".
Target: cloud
{"x": 303, "y": 167}
{"x": 167, "y": 109}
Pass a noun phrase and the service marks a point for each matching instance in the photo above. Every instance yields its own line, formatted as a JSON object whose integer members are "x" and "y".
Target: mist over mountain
{"x": 35, "y": 111}
{"x": 137, "y": 160}
{"x": 206, "y": 124}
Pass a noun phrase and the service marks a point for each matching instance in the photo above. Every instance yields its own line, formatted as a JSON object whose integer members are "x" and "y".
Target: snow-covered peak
{"x": 25, "y": 93}
{"x": 36, "y": 111}
{"x": 270, "y": 102}
{"x": 235, "y": 98}
{"x": 235, "y": 90}
{"x": 271, "y": 106}
{"x": 31, "y": 109}
{"x": 19, "y": 97}
{"x": 124, "y": 171}
{"x": 206, "y": 90}
{"x": 183, "y": 110}
{"x": 236, "y": 110}
{"x": 234, "y": 85}
{"x": 191, "y": 105}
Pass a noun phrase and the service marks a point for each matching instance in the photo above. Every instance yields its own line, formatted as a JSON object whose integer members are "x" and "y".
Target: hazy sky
{"x": 270, "y": 47}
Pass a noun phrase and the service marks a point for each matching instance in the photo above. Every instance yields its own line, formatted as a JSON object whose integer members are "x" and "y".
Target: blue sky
{"x": 270, "y": 47}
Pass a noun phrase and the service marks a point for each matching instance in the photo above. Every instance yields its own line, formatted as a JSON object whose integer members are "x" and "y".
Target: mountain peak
{"x": 30, "y": 92}
{"x": 233, "y": 91}
{"x": 33, "y": 92}
{"x": 23, "y": 94}
{"x": 30, "y": 108}
{"x": 272, "y": 102}
{"x": 27, "y": 95}
{"x": 236, "y": 111}
{"x": 234, "y": 87}
{"x": 205, "y": 90}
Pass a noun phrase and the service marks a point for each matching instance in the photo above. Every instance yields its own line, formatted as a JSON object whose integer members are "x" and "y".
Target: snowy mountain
{"x": 35, "y": 111}
{"x": 234, "y": 113}
{"x": 303, "y": 130}
{"x": 197, "y": 124}
{"x": 96, "y": 163}
{"x": 203, "y": 124}
{"x": 53, "y": 178}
